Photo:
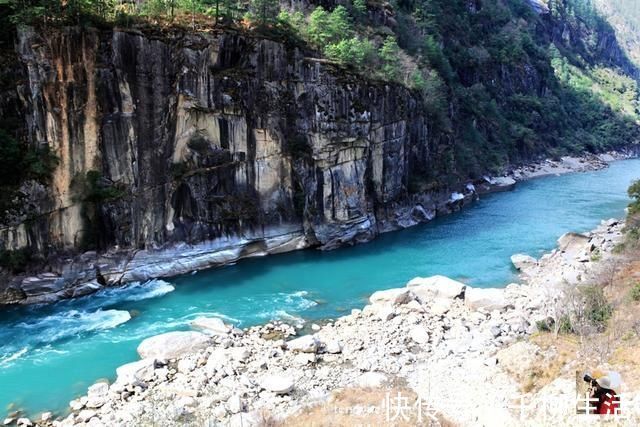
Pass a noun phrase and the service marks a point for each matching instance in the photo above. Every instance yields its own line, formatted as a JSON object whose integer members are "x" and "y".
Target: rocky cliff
{"x": 179, "y": 150}
{"x": 219, "y": 141}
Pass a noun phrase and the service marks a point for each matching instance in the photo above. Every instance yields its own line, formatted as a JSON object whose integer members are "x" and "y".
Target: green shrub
{"x": 390, "y": 56}
{"x": 635, "y": 292}
{"x": 353, "y": 51}
{"x": 597, "y": 309}
{"x": 565, "y": 326}
{"x": 543, "y": 325}
{"x": 95, "y": 189}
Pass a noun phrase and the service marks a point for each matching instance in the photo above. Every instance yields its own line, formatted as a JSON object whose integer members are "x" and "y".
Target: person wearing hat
{"x": 607, "y": 400}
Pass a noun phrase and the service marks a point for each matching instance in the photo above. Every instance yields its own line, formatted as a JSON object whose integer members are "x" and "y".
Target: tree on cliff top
{"x": 264, "y": 12}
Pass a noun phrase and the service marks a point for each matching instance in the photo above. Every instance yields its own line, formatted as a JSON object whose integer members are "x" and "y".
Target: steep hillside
{"x": 130, "y": 131}
{"x": 624, "y": 16}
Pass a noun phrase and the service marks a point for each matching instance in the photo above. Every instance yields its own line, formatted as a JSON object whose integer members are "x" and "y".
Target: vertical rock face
{"x": 209, "y": 138}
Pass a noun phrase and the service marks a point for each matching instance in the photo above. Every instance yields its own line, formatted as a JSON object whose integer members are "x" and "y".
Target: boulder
{"x": 211, "y": 325}
{"x": 488, "y": 299}
{"x": 371, "y": 380}
{"x": 234, "y": 404}
{"x": 440, "y": 306}
{"x": 142, "y": 370}
{"x": 522, "y": 261}
{"x": 277, "y": 384}
{"x": 419, "y": 335}
{"x": 391, "y": 296}
{"x": 385, "y": 312}
{"x": 430, "y": 288}
{"x": 218, "y": 360}
{"x": 172, "y": 345}
{"x": 97, "y": 395}
{"x": 85, "y": 415}
{"x": 333, "y": 347}
{"x": 304, "y": 344}
{"x": 573, "y": 243}
{"x": 240, "y": 354}
{"x": 25, "y": 422}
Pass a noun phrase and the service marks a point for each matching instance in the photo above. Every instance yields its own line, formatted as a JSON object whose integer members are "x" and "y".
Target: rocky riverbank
{"x": 456, "y": 346}
{"x": 76, "y": 276}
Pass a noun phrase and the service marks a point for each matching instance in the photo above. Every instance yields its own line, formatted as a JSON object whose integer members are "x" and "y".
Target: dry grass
{"x": 367, "y": 407}
{"x": 618, "y": 346}
{"x": 560, "y": 350}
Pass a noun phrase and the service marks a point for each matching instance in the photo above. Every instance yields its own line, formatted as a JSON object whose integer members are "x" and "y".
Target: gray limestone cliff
{"x": 190, "y": 150}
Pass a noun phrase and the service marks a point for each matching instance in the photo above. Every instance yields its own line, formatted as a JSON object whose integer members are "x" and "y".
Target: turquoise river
{"x": 50, "y": 354}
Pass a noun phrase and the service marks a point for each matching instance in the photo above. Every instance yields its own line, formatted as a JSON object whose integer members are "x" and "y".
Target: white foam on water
{"x": 192, "y": 316}
{"x": 72, "y": 322}
{"x": 6, "y": 360}
{"x": 106, "y": 319}
{"x": 297, "y": 300}
{"x": 151, "y": 289}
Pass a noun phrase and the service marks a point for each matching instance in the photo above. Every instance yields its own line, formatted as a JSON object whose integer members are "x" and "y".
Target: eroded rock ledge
{"x": 433, "y": 329}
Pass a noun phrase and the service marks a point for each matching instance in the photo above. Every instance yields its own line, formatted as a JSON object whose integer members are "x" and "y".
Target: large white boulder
{"x": 304, "y": 344}
{"x": 211, "y": 325}
{"x": 142, "y": 370}
{"x": 430, "y": 288}
{"x": 97, "y": 395}
{"x": 394, "y": 296}
{"x": 333, "y": 346}
{"x": 419, "y": 334}
{"x": 277, "y": 384}
{"x": 523, "y": 262}
{"x": 488, "y": 299}
{"x": 172, "y": 345}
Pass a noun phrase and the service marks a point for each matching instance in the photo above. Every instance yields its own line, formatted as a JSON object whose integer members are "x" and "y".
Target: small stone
{"x": 46, "y": 416}
{"x": 304, "y": 344}
{"x": 315, "y": 327}
{"x": 240, "y": 354}
{"x": 419, "y": 335}
{"x": 385, "y": 313}
{"x": 86, "y": 414}
{"x": 304, "y": 359}
{"x": 333, "y": 347}
{"x": 220, "y": 412}
{"x": 8, "y": 421}
{"x": 25, "y": 422}
{"x": 76, "y": 405}
{"x": 186, "y": 365}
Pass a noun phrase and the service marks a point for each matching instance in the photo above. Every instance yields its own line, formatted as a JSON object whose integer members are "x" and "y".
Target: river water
{"x": 51, "y": 354}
